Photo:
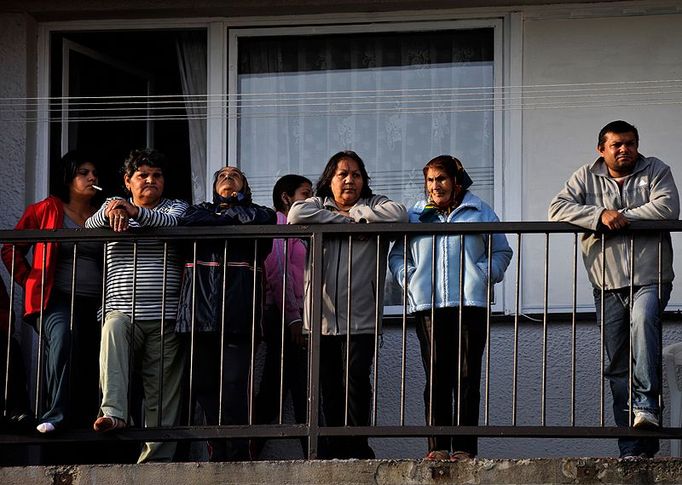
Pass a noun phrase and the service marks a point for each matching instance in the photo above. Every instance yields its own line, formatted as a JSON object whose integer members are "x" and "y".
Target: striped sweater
{"x": 148, "y": 282}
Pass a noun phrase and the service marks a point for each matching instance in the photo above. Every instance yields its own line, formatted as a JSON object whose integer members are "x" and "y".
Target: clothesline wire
{"x": 138, "y": 105}
{"x": 493, "y": 107}
{"x": 577, "y": 87}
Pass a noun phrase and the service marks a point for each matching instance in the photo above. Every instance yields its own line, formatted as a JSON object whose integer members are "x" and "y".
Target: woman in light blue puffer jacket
{"x": 448, "y": 201}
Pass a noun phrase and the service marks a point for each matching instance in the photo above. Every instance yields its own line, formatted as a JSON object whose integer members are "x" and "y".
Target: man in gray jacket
{"x": 619, "y": 187}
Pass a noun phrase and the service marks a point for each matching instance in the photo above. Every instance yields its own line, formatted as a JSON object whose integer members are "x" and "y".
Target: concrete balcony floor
{"x": 298, "y": 472}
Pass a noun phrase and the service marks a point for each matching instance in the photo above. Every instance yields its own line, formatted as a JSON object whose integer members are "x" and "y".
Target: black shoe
{"x": 21, "y": 422}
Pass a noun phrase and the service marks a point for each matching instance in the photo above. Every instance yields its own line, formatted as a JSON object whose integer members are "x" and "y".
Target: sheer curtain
{"x": 398, "y": 99}
{"x": 191, "y": 50}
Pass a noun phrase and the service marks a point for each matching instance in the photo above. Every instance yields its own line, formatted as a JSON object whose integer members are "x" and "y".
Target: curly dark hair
{"x": 145, "y": 156}
{"x": 323, "y": 187}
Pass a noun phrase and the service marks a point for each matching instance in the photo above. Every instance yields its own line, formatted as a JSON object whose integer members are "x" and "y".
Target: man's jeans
{"x": 643, "y": 327}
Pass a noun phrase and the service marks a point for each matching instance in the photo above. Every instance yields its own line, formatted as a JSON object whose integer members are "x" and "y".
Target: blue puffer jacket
{"x": 472, "y": 209}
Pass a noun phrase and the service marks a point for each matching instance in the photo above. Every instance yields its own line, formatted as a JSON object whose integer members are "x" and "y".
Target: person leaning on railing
{"x": 68, "y": 403}
{"x": 200, "y": 313}
{"x": 449, "y": 201}
{"x": 619, "y": 187}
{"x": 143, "y": 176}
{"x": 343, "y": 196}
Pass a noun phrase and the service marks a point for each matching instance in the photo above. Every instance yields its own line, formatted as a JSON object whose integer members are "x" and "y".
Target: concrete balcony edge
{"x": 537, "y": 470}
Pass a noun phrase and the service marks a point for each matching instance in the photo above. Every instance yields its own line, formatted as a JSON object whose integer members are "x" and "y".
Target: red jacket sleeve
{"x": 22, "y": 267}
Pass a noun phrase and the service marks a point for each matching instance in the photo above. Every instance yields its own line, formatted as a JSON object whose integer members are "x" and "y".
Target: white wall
{"x": 557, "y": 141}
{"x": 15, "y": 59}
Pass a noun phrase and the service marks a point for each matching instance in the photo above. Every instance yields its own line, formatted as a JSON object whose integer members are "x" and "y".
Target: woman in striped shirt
{"x": 140, "y": 303}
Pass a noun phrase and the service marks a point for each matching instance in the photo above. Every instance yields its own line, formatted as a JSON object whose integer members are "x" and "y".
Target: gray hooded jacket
{"x": 648, "y": 193}
{"x": 364, "y": 290}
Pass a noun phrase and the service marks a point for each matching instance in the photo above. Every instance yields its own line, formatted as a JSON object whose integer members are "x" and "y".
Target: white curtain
{"x": 191, "y": 49}
{"x": 398, "y": 100}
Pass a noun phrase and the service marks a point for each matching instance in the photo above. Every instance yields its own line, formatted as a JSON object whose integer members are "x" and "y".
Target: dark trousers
{"x": 206, "y": 382}
{"x": 333, "y": 391}
{"x": 442, "y": 391}
{"x": 15, "y": 379}
{"x": 71, "y": 371}
{"x": 294, "y": 366}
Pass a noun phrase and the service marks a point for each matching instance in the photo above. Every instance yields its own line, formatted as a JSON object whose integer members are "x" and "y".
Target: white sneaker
{"x": 645, "y": 419}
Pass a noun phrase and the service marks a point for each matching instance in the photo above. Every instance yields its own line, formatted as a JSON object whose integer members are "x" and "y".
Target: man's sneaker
{"x": 645, "y": 419}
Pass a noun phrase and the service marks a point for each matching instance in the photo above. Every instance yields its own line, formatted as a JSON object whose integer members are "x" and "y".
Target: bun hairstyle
{"x": 453, "y": 168}
{"x": 246, "y": 196}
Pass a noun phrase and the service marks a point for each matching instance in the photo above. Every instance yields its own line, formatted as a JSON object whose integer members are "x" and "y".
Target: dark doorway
{"x": 100, "y": 87}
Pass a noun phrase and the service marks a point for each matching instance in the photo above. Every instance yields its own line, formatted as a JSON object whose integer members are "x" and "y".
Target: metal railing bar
{"x": 192, "y": 341}
{"x": 162, "y": 331}
{"x": 221, "y": 386}
{"x": 432, "y": 329}
{"x": 293, "y": 431}
{"x": 545, "y": 298}
{"x": 252, "y": 363}
{"x": 377, "y": 322}
{"x": 631, "y": 304}
{"x": 660, "y": 323}
{"x": 5, "y": 411}
{"x": 489, "y": 299}
{"x": 574, "y": 291}
{"x": 460, "y": 316}
{"x": 602, "y": 342}
{"x": 517, "y": 311}
{"x": 403, "y": 336}
{"x": 39, "y": 364}
{"x": 300, "y": 230}
{"x": 348, "y": 330}
{"x": 283, "y": 323}
{"x": 72, "y": 306}
{"x": 131, "y": 347}
{"x": 316, "y": 270}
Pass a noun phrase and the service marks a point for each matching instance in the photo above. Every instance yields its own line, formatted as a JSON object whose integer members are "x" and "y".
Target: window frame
{"x": 222, "y": 43}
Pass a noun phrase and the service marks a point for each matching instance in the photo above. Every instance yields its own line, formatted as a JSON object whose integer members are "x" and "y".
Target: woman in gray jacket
{"x": 343, "y": 196}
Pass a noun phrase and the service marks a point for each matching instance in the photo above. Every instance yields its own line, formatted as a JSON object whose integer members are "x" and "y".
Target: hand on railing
{"x": 119, "y": 211}
{"x": 614, "y": 220}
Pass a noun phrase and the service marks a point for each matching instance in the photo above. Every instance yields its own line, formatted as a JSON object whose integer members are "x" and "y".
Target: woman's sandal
{"x": 461, "y": 455}
{"x": 437, "y": 455}
{"x": 108, "y": 423}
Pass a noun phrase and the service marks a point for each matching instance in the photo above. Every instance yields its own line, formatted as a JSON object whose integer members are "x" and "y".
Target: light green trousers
{"x": 114, "y": 365}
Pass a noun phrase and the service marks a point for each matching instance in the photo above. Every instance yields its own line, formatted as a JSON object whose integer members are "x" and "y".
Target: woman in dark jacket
{"x": 203, "y": 313}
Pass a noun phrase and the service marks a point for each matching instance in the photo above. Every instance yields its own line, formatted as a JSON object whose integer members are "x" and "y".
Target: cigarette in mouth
{"x": 97, "y": 187}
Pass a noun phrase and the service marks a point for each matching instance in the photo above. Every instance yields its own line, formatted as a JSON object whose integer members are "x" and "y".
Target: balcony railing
{"x": 553, "y": 411}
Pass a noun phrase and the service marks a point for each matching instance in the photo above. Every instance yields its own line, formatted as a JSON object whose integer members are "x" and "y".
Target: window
{"x": 398, "y": 99}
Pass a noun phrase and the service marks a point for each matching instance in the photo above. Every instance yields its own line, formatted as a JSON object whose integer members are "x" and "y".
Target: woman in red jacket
{"x": 48, "y": 286}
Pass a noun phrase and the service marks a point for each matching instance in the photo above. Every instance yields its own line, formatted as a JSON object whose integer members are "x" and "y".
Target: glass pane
{"x": 397, "y": 99}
